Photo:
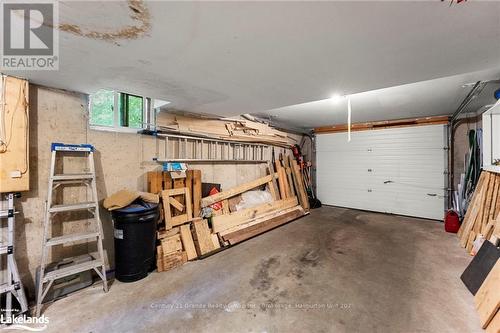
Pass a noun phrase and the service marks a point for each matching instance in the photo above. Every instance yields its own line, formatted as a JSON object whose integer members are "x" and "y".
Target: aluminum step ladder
{"x": 13, "y": 286}
{"x": 88, "y": 179}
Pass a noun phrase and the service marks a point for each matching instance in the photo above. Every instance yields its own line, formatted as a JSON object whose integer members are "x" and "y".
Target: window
{"x": 116, "y": 110}
{"x": 131, "y": 110}
{"x": 102, "y": 108}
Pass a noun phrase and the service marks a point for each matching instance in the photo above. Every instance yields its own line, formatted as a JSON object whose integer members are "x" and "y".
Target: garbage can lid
{"x": 136, "y": 207}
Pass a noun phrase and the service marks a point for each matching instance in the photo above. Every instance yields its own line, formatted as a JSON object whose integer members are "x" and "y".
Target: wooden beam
{"x": 196, "y": 193}
{"x": 203, "y": 239}
{"x": 274, "y": 183}
{"x": 207, "y": 201}
{"x": 175, "y": 191}
{"x": 155, "y": 181}
{"x": 487, "y": 298}
{"x": 299, "y": 184}
{"x": 288, "y": 173}
{"x": 167, "y": 233}
{"x": 167, "y": 180}
{"x": 176, "y": 204}
{"x": 226, "y": 221}
{"x": 187, "y": 241}
{"x": 260, "y": 219}
{"x": 171, "y": 244}
{"x": 472, "y": 211}
{"x": 282, "y": 183}
{"x": 383, "y": 124}
{"x": 257, "y": 229}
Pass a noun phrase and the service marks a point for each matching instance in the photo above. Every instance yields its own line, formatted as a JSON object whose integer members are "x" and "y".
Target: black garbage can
{"x": 135, "y": 237}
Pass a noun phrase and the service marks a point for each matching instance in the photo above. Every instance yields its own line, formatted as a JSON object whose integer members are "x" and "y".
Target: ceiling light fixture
{"x": 335, "y": 98}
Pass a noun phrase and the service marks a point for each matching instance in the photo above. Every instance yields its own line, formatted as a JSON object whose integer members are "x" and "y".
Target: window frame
{"x": 117, "y": 114}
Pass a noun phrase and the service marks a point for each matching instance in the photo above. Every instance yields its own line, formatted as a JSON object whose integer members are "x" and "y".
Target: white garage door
{"x": 397, "y": 170}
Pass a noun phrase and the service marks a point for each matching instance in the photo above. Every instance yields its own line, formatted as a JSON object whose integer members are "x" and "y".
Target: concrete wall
{"x": 122, "y": 160}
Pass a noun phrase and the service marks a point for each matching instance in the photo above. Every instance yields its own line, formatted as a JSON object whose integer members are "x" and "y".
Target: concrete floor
{"x": 336, "y": 270}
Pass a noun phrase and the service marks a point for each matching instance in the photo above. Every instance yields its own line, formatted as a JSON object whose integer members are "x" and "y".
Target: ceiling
{"x": 422, "y": 99}
{"x": 230, "y": 58}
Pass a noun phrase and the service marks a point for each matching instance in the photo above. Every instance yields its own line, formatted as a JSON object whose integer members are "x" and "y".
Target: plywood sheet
{"x": 14, "y": 135}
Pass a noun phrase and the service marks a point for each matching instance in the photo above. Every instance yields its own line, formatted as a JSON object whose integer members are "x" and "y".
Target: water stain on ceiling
{"x": 139, "y": 13}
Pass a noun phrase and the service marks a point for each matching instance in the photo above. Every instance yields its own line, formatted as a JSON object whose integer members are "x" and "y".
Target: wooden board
{"x": 487, "y": 298}
{"x": 187, "y": 241}
{"x": 171, "y": 244}
{"x": 273, "y": 185}
{"x": 223, "y": 222}
{"x": 494, "y": 325}
{"x": 299, "y": 184}
{"x": 244, "y": 234}
{"x": 288, "y": 172}
{"x": 167, "y": 233}
{"x": 196, "y": 193}
{"x": 202, "y": 237}
{"x": 177, "y": 205}
{"x": 171, "y": 261}
{"x": 207, "y": 201}
{"x": 167, "y": 180}
{"x": 159, "y": 258}
{"x": 473, "y": 210}
{"x": 14, "y": 155}
{"x": 155, "y": 182}
{"x": 215, "y": 241}
{"x": 465, "y": 226}
{"x": 282, "y": 183}
{"x": 383, "y": 124}
{"x": 227, "y": 129}
{"x": 260, "y": 219}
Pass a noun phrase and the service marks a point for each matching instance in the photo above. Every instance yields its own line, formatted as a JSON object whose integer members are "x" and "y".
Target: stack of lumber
{"x": 482, "y": 218}
{"x": 171, "y": 252}
{"x": 225, "y": 129}
{"x": 183, "y": 235}
{"x": 487, "y": 301}
{"x": 289, "y": 201}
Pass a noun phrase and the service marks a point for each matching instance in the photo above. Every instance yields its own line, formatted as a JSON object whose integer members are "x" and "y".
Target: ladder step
{"x": 72, "y": 176}
{"x": 3, "y": 249}
{"x": 70, "y": 207}
{"x": 72, "y": 269}
{"x": 4, "y": 287}
{"x": 71, "y": 238}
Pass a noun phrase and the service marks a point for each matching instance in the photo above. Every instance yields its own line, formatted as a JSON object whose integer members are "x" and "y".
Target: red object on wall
{"x": 217, "y": 205}
{"x": 451, "y": 221}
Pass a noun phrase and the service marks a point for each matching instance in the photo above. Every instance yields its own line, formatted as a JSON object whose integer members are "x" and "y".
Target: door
{"x": 396, "y": 170}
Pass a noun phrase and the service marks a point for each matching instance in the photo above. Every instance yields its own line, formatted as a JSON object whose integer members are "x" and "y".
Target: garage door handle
{"x": 388, "y": 181}
{"x": 432, "y": 194}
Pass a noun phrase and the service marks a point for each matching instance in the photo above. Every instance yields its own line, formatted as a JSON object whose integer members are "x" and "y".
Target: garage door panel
{"x": 398, "y": 170}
